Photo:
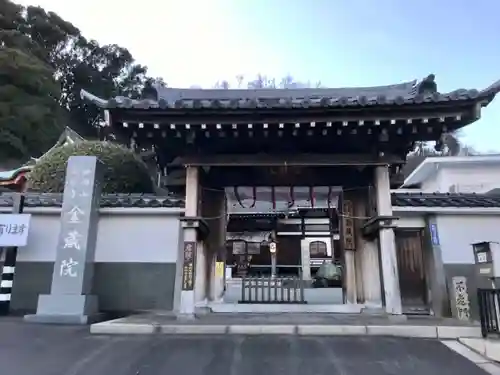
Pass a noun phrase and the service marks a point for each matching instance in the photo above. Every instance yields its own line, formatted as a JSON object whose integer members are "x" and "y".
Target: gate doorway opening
{"x": 306, "y": 239}
{"x": 412, "y": 271}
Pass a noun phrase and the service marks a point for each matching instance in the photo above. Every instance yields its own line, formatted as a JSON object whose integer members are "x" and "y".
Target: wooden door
{"x": 411, "y": 268}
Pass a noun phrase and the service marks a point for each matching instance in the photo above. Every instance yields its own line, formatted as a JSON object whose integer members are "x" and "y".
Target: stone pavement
{"x": 27, "y": 349}
{"x": 489, "y": 348}
{"x": 301, "y": 324}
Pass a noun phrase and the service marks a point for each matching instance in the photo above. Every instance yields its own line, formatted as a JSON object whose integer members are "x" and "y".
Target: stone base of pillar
{"x": 374, "y": 305}
{"x": 66, "y": 309}
{"x": 373, "y": 310}
{"x": 187, "y": 304}
{"x": 185, "y": 317}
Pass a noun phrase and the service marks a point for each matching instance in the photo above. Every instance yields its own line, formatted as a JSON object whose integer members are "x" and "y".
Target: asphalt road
{"x": 28, "y": 349}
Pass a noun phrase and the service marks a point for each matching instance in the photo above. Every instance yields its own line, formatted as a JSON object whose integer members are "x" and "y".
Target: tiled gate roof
{"x": 413, "y": 92}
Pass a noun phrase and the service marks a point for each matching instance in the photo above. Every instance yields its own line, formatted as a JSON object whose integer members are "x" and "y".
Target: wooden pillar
{"x": 388, "y": 257}
{"x": 359, "y": 211}
{"x": 213, "y": 208}
{"x": 367, "y": 260}
{"x": 371, "y": 274}
{"x": 349, "y": 251}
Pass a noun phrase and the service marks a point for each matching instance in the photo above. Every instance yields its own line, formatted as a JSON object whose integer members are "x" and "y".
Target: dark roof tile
{"x": 107, "y": 200}
{"x": 445, "y": 200}
{"x": 405, "y": 93}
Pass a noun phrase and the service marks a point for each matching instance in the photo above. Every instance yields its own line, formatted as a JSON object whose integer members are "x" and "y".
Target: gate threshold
{"x": 266, "y": 308}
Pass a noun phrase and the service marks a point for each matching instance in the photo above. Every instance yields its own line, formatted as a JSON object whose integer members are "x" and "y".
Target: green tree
{"x": 30, "y": 116}
{"x": 77, "y": 63}
{"x": 31, "y": 119}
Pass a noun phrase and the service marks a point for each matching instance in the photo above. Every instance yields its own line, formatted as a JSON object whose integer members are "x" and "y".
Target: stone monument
{"x": 70, "y": 301}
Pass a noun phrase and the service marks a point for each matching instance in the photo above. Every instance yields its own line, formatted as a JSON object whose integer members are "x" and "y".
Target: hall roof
{"x": 413, "y": 92}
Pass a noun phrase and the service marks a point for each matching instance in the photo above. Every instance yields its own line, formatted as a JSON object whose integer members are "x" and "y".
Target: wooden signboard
{"x": 188, "y": 269}
{"x": 348, "y": 227}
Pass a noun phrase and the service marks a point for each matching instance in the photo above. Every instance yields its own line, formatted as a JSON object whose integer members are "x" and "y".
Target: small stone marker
{"x": 460, "y": 301}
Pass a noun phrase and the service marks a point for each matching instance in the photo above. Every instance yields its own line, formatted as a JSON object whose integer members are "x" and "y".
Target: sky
{"x": 338, "y": 42}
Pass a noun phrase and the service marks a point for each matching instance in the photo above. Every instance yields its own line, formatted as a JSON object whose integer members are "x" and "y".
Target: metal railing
{"x": 488, "y": 301}
{"x": 288, "y": 289}
{"x": 264, "y": 270}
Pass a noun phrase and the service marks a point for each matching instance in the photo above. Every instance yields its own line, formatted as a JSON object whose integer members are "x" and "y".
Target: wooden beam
{"x": 267, "y": 160}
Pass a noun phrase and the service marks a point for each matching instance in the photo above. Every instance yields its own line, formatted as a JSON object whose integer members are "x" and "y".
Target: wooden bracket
{"x": 372, "y": 226}
{"x": 198, "y": 223}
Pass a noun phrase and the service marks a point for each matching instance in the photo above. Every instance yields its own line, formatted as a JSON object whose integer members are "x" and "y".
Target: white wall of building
{"x": 469, "y": 179}
{"x": 458, "y": 175}
{"x": 432, "y": 183}
{"x": 134, "y": 235}
{"x": 458, "y": 232}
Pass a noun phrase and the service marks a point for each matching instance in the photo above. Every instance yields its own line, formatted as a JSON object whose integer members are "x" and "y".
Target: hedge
{"x": 124, "y": 171}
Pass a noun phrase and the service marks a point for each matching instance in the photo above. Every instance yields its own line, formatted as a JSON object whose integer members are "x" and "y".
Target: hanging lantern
{"x": 273, "y": 247}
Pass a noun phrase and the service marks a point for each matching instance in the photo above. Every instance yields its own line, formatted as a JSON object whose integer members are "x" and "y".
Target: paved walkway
{"x": 27, "y": 349}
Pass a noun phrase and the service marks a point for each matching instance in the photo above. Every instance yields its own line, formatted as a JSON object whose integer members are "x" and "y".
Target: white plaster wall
{"x": 463, "y": 179}
{"x": 458, "y": 232}
{"x": 410, "y": 221}
{"x": 121, "y": 237}
{"x": 471, "y": 179}
{"x": 138, "y": 238}
{"x": 42, "y": 238}
{"x": 432, "y": 184}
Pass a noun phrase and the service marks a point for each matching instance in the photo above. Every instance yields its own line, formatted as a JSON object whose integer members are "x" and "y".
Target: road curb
{"x": 451, "y": 332}
{"x": 289, "y": 329}
{"x": 486, "y": 347}
{"x": 403, "y": 331}
{"x": 440, "y": 332}
{"x": 122, "y": 329}
{"x": 330, "y": 330}
{"x": 191, "y": 329}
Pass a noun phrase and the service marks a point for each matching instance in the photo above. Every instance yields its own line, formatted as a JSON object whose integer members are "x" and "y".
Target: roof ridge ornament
{"x": 427, "y": 85}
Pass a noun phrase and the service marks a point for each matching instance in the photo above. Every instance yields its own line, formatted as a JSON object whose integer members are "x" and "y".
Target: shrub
{"x": 124, "y": 171}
